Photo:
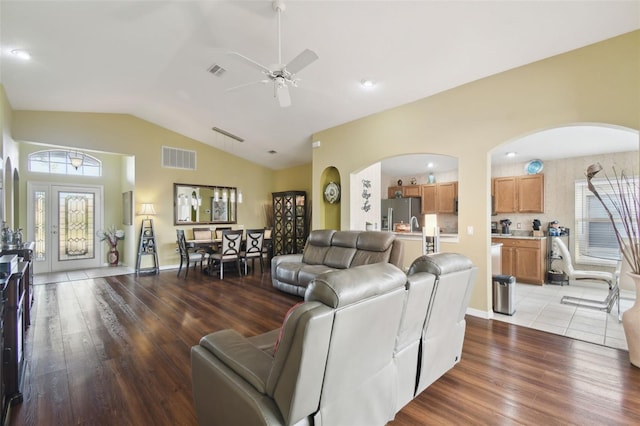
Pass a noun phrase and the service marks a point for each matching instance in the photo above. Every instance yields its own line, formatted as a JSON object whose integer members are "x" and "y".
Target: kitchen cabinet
{"x": 519, "y": 194}
{"x": 439, "y": 197}
{"x": 406, "y": 191}
{"x": 524, "y": 258}
{"x": 429, "y": 199}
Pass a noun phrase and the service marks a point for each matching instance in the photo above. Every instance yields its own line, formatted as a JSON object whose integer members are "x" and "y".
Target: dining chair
{"x": 220, "y": 230}
{"x": 188, "y": 257}
{"x": 267, "y": 246}
{"x": 202, "y": 234}
{"x": 253, "y": 249}
{"x": 229, "y": 250}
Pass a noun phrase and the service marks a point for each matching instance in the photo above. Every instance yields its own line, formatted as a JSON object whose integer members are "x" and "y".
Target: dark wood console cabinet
{"x": 15, "y": 317}
{"x": 25, "y": 252}
{"x": 13, "y": 332}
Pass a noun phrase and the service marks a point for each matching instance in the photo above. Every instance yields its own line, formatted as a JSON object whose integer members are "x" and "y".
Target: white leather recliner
{"x": 332, "y": 366}
{"x": 364, "y": 343}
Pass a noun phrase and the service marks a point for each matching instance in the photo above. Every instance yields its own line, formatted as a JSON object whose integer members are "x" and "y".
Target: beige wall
{"x": 595, "y": 84}
{"x": 293, "y": 179}
{"x": 8, "y": 161}
{"x": 140, "y": 143}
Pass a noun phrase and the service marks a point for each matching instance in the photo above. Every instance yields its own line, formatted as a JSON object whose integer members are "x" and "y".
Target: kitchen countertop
{"x": 444, "y": 237}
{"x": 518, "y": 237}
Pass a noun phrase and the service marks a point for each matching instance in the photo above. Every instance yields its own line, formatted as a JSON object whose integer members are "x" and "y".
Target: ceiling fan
{"x": 282, "y": 75}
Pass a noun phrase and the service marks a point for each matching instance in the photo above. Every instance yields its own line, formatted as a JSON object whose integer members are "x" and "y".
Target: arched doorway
{"x": 565, "y": 153}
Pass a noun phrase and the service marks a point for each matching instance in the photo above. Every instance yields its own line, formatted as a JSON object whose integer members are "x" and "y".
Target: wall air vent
{"x": 216, "y": 70}
{"x": 177, "y": 158}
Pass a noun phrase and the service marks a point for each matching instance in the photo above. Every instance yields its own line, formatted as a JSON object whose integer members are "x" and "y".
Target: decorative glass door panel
{"x": 76, "y": 224}
{"x": 62, "y": 221}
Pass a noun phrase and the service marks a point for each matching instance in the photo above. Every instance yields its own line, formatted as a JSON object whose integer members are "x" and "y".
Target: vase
{"x": 113, "y": 256}
{"x": 631, "y": 324}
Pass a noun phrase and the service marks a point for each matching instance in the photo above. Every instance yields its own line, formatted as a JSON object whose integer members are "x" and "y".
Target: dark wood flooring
{"x": 115, "y": 351}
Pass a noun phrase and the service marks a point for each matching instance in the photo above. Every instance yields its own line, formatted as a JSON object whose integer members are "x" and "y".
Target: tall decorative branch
{"x": 625, "y": 204}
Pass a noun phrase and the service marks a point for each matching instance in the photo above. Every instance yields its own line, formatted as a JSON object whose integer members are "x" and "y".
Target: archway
{"x": 330, "y": 183}
{"x": 565, "y": 153}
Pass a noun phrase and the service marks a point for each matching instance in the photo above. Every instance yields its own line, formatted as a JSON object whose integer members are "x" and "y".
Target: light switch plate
{"x": 469, "y": 230}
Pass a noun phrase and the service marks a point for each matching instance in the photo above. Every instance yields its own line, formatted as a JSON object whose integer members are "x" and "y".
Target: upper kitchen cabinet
{"x": 429, "y": 199}
{"x": 531, "y": 194}
{"x": 439, "y": 197}
{"x": 519, "y": 194}
{"x": 404, "y": 191}
{"x": 447, "y": 193}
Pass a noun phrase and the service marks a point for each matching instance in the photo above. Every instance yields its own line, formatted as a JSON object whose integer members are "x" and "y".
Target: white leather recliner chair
{"x": 333, "y": 364}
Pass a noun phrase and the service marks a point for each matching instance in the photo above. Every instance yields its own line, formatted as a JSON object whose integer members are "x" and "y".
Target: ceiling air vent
{"x": 216, "y": 70}
{"x": 178, "y": 158}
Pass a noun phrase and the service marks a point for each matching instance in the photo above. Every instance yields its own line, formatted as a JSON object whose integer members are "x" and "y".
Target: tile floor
{"x": 539, "y": 307}
{"x": 56, "y": 277}
{"x": 536, "y": 307}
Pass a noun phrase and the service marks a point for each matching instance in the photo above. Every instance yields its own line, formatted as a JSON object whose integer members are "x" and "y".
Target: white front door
{"x": 62, "y": 221}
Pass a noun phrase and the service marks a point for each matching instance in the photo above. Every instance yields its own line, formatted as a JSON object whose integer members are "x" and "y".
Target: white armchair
{"x": 575, "y": 274}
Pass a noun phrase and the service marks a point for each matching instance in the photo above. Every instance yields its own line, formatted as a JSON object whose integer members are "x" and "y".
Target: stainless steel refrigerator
{"x": 397, "y": 210}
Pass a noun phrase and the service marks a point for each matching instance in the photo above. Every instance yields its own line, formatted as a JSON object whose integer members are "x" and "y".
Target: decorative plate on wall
{"x": 332, "y": 192}
{"x": 533, "y": 167}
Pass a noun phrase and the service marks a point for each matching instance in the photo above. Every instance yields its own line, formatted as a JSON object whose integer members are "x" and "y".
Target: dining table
{"x": 212, "y": 246}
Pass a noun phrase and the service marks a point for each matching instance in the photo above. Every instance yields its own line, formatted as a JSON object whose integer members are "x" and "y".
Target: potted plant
{"x": 622, "y": 205}
{"x": 112, "y": 236}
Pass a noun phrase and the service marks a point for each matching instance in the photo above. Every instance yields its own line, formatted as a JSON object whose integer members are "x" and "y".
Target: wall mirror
{"x": 204, "y": 204}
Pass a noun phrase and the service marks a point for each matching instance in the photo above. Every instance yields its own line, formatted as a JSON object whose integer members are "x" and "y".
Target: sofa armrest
{"x": 420, "y": 289}
{"x": 295, "y": 258}
{"x": 265, "y": 341}
{"x": 236, "y": 352}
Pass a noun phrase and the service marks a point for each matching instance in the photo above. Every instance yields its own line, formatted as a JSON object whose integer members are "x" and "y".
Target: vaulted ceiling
{"x": 151, "y": 59}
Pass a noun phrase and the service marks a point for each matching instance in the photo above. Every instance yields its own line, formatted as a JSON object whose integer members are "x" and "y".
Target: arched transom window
{"x": 64, "y": 163}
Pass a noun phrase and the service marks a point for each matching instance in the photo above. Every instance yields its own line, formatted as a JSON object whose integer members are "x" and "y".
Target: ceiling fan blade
{"x": 246, "y": 84}
{"x": 282, "y": 92}
{"x": 251, "y": 62}
{"x": 301, "y": 61}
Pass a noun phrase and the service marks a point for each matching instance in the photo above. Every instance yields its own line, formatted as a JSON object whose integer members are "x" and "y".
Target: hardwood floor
{"x": 115, "y": 351}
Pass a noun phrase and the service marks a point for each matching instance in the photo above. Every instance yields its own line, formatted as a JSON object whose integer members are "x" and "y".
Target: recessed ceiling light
{"x": 510, "y": 154}
{"x": 22, "y": 54}
{"x": 430, "y": 165}
{"x": 367, "y": 83}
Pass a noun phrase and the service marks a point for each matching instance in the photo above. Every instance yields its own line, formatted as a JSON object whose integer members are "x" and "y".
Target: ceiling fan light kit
{"x": 282, "y": 75}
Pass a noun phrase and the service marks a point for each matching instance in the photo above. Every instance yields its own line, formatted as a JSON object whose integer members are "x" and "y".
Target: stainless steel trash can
{"x": 503, "y": 289}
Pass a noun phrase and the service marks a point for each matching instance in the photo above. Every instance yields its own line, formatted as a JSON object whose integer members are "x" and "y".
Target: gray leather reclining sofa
{"x": 327, "y": 250}
{"x": 364, "y": 343}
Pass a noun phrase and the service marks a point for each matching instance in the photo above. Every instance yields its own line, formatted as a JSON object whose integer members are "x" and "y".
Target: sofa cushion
{"x": 287, "y": 272}
{"x": 373, "y": 247}
{"x": 440, "y": 264}
{"x": 345, "y": 239}
{"x": 317, "y": 245}
{"x": 309, "y": 272}
{"x": 339, "y": 257}
{"x": 375, "y": 241}
{"x": 337, "y": 289}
